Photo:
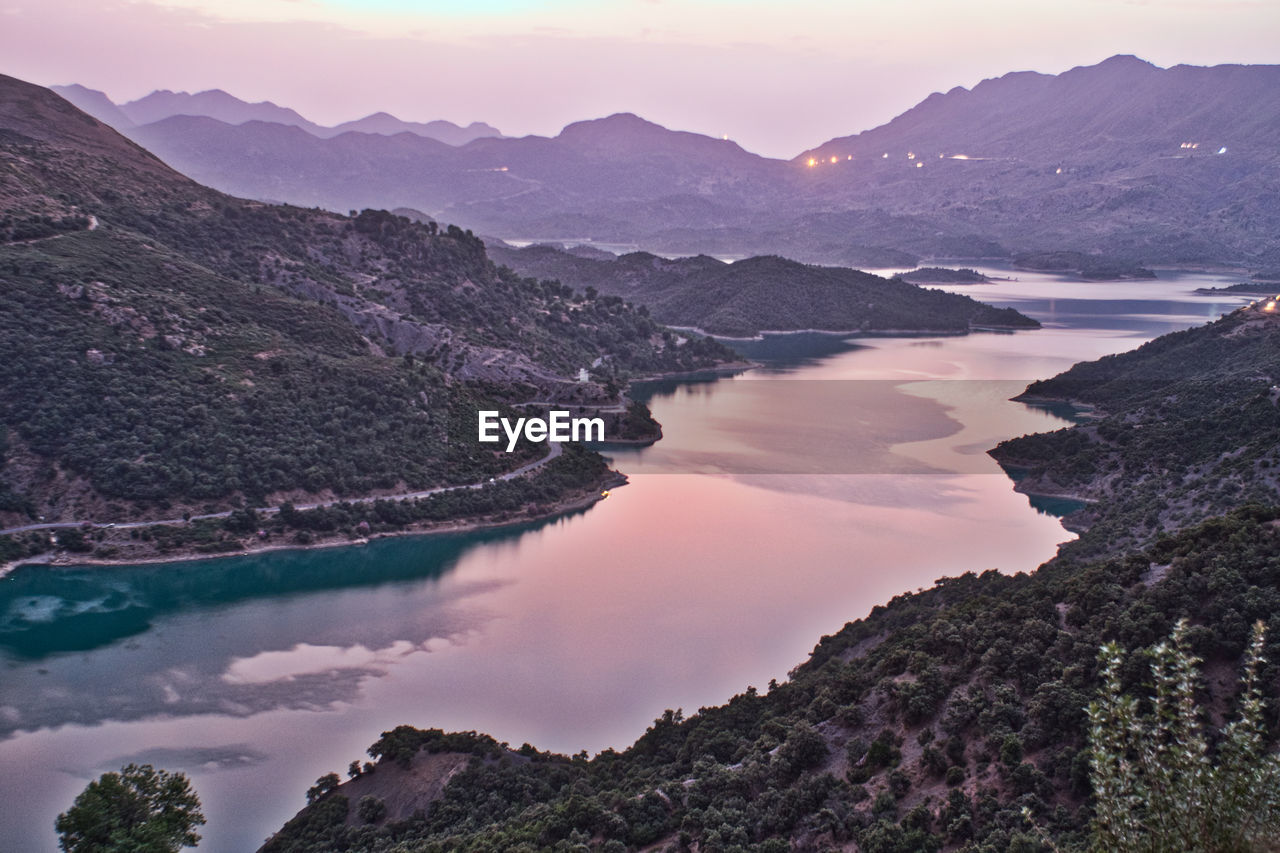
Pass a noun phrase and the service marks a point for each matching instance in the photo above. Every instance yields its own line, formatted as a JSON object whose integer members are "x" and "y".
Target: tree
{"x": 138, "y": 810}
{"x": 1157, "y": 785}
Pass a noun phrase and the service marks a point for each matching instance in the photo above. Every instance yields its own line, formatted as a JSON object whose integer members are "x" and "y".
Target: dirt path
{"x": 554, "y": 452}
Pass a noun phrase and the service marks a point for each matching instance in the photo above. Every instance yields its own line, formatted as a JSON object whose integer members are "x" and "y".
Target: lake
{"x": 781, "y": 503}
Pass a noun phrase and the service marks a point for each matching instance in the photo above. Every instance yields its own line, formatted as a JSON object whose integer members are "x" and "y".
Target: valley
{"x": 965, "y": 395}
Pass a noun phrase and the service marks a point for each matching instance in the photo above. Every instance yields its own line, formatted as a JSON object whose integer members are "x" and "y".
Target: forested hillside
{"x": 949, "y": 719}
{"x": 1184, "y": 427}
{"x": 762, "y": 293}
{"x": 167, "y": 345}
{"x": 952, "y": 718}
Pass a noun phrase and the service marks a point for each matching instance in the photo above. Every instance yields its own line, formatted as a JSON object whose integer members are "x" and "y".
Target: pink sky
{"x": 776, "y": 77}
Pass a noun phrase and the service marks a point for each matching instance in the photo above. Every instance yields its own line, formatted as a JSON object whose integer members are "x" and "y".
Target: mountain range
{"x": 229, "y": 109}
{"x": 1121, "y": 160}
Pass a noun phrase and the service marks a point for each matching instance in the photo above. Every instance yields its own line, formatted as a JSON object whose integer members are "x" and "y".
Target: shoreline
{"x": 760, "y": 335}
{"x": 315, "y": 501}
{"x": 726, "y": 368}
{"x": 461, "y": 525}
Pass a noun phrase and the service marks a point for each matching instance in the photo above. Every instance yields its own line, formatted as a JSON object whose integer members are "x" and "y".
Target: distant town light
{"x": 812, "y": 162}
{"x": 1222, "y": 150}
{"x": 1059, "y": 172}
{"x": 884, "y": 156}
{"x": 919, "y": 165}
{"x": 834, "y": 159}
{"x": 1270, "y": 306}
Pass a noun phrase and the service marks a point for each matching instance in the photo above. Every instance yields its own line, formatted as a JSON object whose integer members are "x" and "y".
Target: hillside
{"x": 952, "y": 718}
{"x": 949, "y": 719}
{"x": 1184, "y": 427}
{"x": 1122, "y": 159}
{"x": 606, "y": 177}
{"x": 167, "y": 348}
{"x": 761, "y": 294}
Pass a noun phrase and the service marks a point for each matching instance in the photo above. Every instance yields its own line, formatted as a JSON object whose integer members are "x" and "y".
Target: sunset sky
{"x": 777, "y": 77}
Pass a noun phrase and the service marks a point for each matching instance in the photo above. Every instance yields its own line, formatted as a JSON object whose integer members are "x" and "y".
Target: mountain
{"x": 217, "y": 104}
{"x": 165, "y": 347}
{"x": 213, "y": 103}
{"x": 1122, "y": 109}
{"x": 388, "y": 125}
{"x": 1122, "y": 160}
{"x": 761, "y": 293}
{"x": 609, "y": 181}
{"x": 956, "y": 717}
{"x": 351, "y": 171}
{"x": 96, "y": 104}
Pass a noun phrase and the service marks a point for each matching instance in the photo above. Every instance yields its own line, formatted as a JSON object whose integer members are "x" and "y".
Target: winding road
{"x": 555, "y": 451}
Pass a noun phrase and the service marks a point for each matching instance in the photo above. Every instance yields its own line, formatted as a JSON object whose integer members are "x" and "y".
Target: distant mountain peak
{"x": 96, "y": 104}
{"x": 628, "y": 133}
{"x": 214, "y": 103}
{"x": 1121, "y": 60}
{"x": 616, "y": 123}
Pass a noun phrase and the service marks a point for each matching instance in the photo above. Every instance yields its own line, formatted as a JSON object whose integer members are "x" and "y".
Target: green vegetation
{"x": 202, "y": 351}
{"x": 138, "y": 810}
{"x": 955, "y": 718}
{"x": 1091, "y": 267}
{"x": 1186, "y": 428}
{"x": 942, "y": 275}
{"x": 763, "y": 293}
{"x": 1266, "y": 287}
{"x": 934, "y": 722}
{"x": 1153, "y": 774}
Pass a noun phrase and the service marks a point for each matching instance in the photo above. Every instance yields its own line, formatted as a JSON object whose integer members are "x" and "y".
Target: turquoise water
{"x": 781, "y": 503}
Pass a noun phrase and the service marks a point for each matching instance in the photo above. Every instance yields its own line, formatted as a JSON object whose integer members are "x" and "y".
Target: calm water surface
{"x": 781, "y": 503}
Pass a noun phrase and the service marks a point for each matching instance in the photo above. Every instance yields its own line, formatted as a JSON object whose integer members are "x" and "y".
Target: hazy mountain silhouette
{"x": 388, "y": 125}
{"x": 217, "y": 104}
{"x": 1120, "y": 109}
{"x": 213, "y": 103}
{"x": 96, "y": 104}
{"x": 1121, "y": 159}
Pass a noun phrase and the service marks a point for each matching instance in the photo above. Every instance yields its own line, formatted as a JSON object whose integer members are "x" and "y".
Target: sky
{"x": 777, "y": 77}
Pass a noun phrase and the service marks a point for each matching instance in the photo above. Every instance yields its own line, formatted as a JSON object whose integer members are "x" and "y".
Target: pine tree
{"x": 1158, "y": 788}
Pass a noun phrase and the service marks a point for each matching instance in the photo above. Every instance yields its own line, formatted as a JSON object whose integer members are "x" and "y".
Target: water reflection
{"x": 256, "y": 675}
{"x": 236, "y": 636}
